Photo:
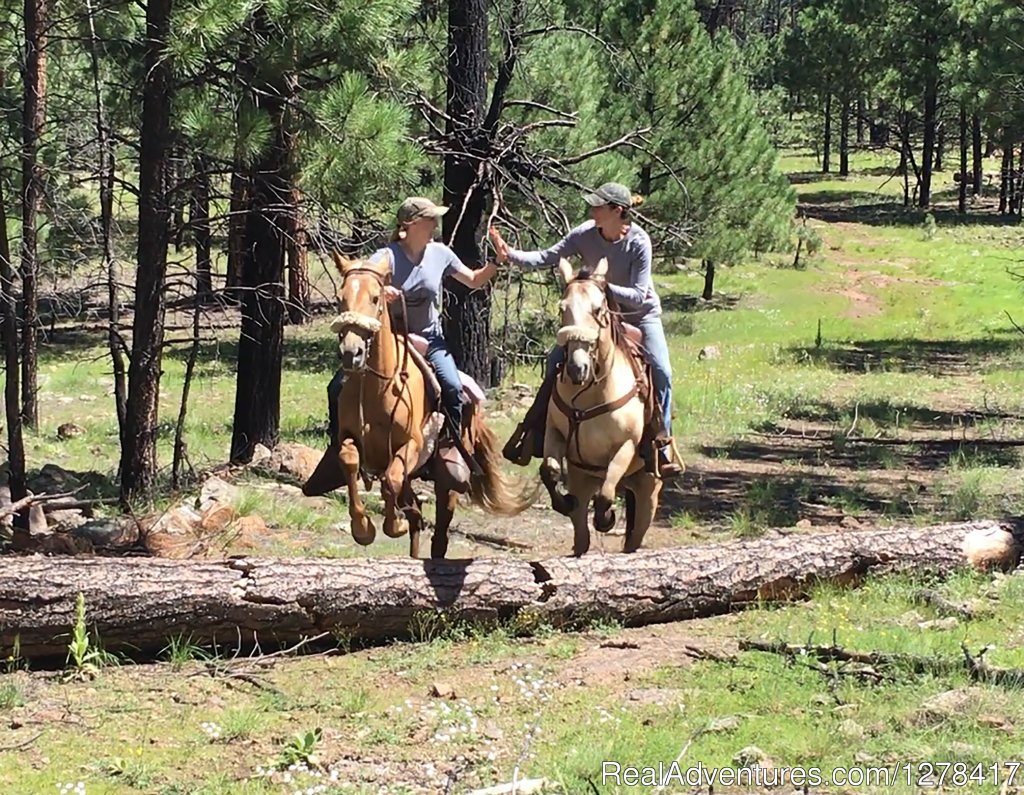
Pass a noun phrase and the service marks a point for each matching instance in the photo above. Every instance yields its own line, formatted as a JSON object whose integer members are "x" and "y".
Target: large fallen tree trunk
{"x": 139, "y": 604}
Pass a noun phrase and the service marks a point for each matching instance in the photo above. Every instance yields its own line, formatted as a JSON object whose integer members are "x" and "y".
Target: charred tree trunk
{"x": 33, "y": 124}
{"x": 138, "y": 604}
{"x": 940, "y": 145}
{"x": 241, "y": 201}
{"x": 12, "y": 382}
{"x": 861, "y": 106}
{"x": 178, "y": 199}
{"x": 962, "y": 197}
{"x": 1006, "y": 179}
{"x": 709, "y": 280}
{"x": 931, "y": 100}
{"x": 138, "y": 449}
{"x": 298, "y": 265}
{"x": 467, "y": 319}
{"x": 199, "y": 220}
{"x": 844, "y": 139}
{"x": 978, "y": 162}
{"x": 267, "y": 229}
{"x": 826, "y": 152}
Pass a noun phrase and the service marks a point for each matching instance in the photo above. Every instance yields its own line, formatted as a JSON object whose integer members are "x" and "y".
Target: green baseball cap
{"x": 418, "y": 207}
{"x": 610, "y": 193}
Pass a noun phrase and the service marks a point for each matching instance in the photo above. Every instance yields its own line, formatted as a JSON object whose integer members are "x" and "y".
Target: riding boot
{"x": 527, "y": 441}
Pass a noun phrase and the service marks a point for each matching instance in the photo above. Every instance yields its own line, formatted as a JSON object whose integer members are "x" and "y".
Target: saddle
{"x": 653, "y": 426}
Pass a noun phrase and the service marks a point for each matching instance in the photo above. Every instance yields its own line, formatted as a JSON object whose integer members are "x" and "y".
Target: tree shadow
{"x": 934, "y": 357}
{"x": 866, "y": 208}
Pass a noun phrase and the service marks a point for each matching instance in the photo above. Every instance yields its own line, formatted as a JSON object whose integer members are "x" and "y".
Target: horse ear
{"x": 342, "y": 262}
{"x": 565, "y": 269}
{"x": 602, "y": 268}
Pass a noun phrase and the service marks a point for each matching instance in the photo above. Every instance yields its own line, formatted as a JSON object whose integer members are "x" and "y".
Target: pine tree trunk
{"x": 137, "y": 604}
{"x": 241, "y": 200}
{"x": 962, "y": 198}
{"x": 844, "y": 139}
{"x": 467, "y": 318}
{"x": 931, "y": 98}
{"x": 940, "y": 145}
{"x": 33, "y": 124}
{"x": 826, "y": 154}
{"x": 978, "y": 162}
{"x": 298, "y": 266}
{"x": 861, "y": 105}
{"x": 1005, "y": 179}
{"x": 12, "y": 382}
{"x": 177, "y": 197}
{"x": 268, "y": 224}
{"x": 709, "y": 280}
{"x": 138, "y": 447}
{"x": 199, "y": 220}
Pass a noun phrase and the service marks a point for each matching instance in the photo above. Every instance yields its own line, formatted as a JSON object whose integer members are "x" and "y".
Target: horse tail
{"x": 493, "y": 490}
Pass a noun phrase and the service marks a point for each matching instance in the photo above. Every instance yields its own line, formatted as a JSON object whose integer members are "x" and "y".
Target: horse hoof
{"x": 398, "y": 529}
{"x": 363, "y": 531}
{"x": 604, "y": 521}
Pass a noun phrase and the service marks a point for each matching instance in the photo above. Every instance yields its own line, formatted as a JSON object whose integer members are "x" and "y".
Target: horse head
{"x": 363, "y": 303}
{"x": 586, "y": 319}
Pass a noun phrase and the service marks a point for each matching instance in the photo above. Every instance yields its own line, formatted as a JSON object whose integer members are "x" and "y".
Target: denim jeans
{"x": 657, "y": 353}
{"x": 443, "y": 364}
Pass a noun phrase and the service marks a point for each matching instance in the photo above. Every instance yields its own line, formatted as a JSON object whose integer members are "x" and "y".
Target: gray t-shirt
{"x": 421, "y": 282}
{"x": 629, "y": 265}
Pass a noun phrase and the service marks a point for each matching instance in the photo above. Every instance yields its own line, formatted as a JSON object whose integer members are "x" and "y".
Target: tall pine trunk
{"x": 138, "y": 447}
{"x": 861, "y": 105}
{"x": 267, "y": 229}
{"x": 826, "y": 154}
{"x": 978, "y": 161}
{"x": 844, "y": 138}
{"x": 467, "y": 318}
{"x": 241, "y": 197}
{"x": 199, "y": 220}
{"x": 1006, "y": 179}
{"x": 298, "y": 266}
{"x": 940, "y": 145}
{"x": 709, "y": 280}
{"x": 12, "y": 383}
{"x": 962, "y": 197}
{"x": 33, "y": 123}
{"x": 931, "y": 99}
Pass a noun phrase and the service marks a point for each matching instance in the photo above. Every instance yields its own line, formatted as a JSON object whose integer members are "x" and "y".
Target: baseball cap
{"x": 610, "y": 193}
{"x": 417, "y": 207}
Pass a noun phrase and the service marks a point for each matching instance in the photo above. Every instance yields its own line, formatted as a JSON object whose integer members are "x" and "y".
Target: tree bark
{"x": 199, "y": 220}
{"x": 931, "y": 101}
{"x": 844, "y": 139}
{"x": 138, "y": 448}
{"x": 709, "y": 280}
{"x": 267, "y": 228}
{"x": 940, "y": 145}
{"x": 138, "y": 604}
{"x": 241, "y": 199}
{"x": 861, "y": 105}
{"x": 33, "y": 124}
{"x": 298, "y": 266}
{"x": 826, "y": 154}
{"x": 467, "y": 317}
{"x": 1005, "y": 179}
{"x": 978, "y": 162}
{"x": 962, "y": 198}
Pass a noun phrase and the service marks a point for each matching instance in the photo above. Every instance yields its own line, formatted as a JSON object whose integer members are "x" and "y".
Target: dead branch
{"x": 943, "y": 605}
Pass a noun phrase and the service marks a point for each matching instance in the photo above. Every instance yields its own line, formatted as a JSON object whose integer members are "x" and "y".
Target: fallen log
{"x": 138, "y": 604}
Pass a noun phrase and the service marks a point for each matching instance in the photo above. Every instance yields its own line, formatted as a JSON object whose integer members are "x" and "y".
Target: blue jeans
{"x": 657, "y": 353}
{"x": 443, "y": 364}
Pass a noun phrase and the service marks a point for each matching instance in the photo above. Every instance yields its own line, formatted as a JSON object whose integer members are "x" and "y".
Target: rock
{"x": 172, "y": 534}
{"x": 996, "y": 722}
{"x": 653, "y": 695}
{"x": 69, "y": 430}
{"x": 862, "y": 758}
{"x": 849, "y": 522}
{"x": 947, "y": 623}
{"x": 260, "y": 453}
{"x": 67, "y": 519}
{"x": 966, "y": 751}
{"x": 949, "y": 704}
{"x": 108, "y": 532}
{"x": 804, "y": 524}
{"x": 726, "y": 724}
{"x": 709, "y": 352}
{"x": 216, "y": 490}
{"x": 442, "y": 690}
{"x": 295, "y": 460}
{"x": 52, "y": 479}
{"x": 991, "y": 548}
{"x": 851, "y": 730}
{"x": 251, "y": 529}
{"x": 909, "y": 618}
{"x": 216, "y": 517}
{"x": 752, "y": 756}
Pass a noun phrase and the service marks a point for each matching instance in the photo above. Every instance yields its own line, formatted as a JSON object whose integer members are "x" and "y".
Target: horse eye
{"x": 376, "y": 299}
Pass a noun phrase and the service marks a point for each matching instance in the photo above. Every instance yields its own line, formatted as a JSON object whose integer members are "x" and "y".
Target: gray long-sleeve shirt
{"x": 629, "y": 265}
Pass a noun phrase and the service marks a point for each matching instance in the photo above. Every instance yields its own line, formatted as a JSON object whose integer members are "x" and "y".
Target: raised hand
{"x": 500, "y": 246}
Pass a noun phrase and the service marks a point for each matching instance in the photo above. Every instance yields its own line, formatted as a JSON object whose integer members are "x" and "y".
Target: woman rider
{"x": 418, "y": 267}
{"x": 610, "y": 233}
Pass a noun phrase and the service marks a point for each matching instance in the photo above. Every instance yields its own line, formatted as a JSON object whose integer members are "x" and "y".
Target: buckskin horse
{"x": 388, "y": 427}
{"x": 598, "y": 414}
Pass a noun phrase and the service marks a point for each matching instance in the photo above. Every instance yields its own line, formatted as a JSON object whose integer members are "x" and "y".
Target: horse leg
{"x": 362, "y": 528}
{"x": 446, "y": 502}
{"x": 395, "y": 478}
{"x": 551, "y": 470}
{"x": 604, "y": 516}
{"x": 582, "y": 487}
{"x": 645, "y": 491}
{"x": 414, "y": 516}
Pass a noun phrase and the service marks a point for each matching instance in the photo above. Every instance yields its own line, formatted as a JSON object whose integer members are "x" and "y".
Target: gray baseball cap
{"x": 418, "y": 207}
{"x": 610, "y": 193}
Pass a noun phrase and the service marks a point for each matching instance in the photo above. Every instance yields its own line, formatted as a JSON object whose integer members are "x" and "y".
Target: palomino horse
{"x": 384, "y": 421}
{"x": 597, "y": 417}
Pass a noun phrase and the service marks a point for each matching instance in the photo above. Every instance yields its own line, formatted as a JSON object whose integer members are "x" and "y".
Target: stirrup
{"x": 669, "y": 462}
